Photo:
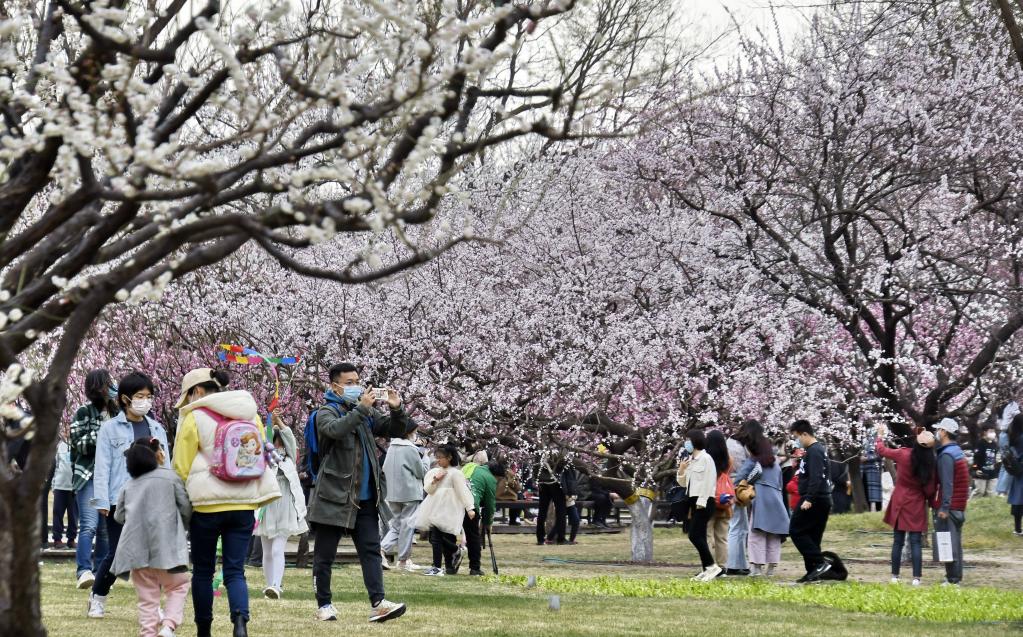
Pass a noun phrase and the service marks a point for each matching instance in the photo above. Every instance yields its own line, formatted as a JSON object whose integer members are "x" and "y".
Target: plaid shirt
{"x": 84, "y": 429}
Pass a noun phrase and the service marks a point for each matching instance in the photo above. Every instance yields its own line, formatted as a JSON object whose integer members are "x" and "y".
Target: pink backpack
{"x": 237, "y": 449}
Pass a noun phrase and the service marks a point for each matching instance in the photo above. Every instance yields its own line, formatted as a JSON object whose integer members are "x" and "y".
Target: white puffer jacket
{"x": 205, "y": 489}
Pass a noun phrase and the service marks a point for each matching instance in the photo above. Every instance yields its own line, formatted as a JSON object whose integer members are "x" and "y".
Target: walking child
{"x": 448, "y": 501}
{"x": 153, "y": 509}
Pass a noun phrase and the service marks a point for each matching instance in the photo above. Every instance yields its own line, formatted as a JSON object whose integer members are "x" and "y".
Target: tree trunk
{"x": 20, "y": 614}
{"x": 641, "y": 531}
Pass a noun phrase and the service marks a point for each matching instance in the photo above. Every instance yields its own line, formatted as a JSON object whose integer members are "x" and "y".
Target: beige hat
{"x": 191, "y": 379}
{"x": 925, "y": 439}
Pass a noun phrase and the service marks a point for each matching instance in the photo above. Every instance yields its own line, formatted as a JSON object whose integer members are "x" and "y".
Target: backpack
{"x": 1012, "y": 463}
{"x": 724, "y": 488}
{"x": 238, "y": 451}
{"x": 312, "y": 445}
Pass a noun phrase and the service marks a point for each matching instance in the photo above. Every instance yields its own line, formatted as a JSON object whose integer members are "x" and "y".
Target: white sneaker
{"x": 385, "y": 611}
{"x": 85, "y": 580}
{"x": 326, "y": 613}
{"x": 97, "y": 604}
{"x": 710, "y": 573}
{"x": 387, "y": 565}
{"x": 916, "y": 581}
{"x": 272, "y": 592}
{"x": 410, "y": 566}
{"x": 166, "y": 631}
{"x": 895, "y": 579}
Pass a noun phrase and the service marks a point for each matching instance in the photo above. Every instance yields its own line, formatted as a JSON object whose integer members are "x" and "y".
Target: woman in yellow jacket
{"x": 223, "y": 510}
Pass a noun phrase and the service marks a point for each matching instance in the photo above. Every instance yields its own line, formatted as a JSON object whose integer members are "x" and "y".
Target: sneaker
{"x": 57, "y": 545}
{"x": 916, "y": 581}
{"x": 948, "y": 583}
{"x": 770, "y": 570}
{"x": 385, "y": 611}
{"x": 456, "y": 561}
{"x": 272, "y": 592}
{"x": 895, "y": 579}
{"x": 476, "y": 572}
{"x": 71, "y": 544}
{"x": 166, "y": 631}
{"x": 97, "y": 604}
{"x": 409, "y": 566}
{"x": 434, "y": 572}
{"x": 451, "y": 571}
{"x": 711, "y": 572}
{"x": 85, "y": 580}
{"x": 383, "y": 557}
{"x": 816, "y": 575}
{"x": 326, "y": 613}
{"x": 1018, "y": 533}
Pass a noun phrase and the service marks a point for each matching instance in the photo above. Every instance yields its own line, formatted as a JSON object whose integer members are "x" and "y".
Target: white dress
{"x": 282, "y": 518}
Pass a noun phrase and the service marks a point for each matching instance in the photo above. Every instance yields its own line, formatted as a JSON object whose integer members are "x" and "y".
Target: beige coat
{"x": 701, "y": 476}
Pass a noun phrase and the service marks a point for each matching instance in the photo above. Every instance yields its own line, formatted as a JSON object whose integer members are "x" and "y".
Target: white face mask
{"x": 141, "y": 406}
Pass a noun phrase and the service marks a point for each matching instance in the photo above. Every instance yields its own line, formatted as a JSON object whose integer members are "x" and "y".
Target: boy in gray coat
{"x": 154, "y": 509}
{"x": 403, "y": 473}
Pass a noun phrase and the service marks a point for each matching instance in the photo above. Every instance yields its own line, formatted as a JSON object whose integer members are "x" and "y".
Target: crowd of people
{"x": 732, "y": 492}
{"x": 137, "y": 505}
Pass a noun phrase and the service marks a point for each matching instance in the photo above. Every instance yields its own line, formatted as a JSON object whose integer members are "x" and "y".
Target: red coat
{"x": 792, "y": 488}
{"x": 907, "y": 510}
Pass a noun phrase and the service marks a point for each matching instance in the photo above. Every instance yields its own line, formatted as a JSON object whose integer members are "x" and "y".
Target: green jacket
{"x": 484, "y": 492}
{"x": 84, "y": 430}
{"x": 335, "y": 498}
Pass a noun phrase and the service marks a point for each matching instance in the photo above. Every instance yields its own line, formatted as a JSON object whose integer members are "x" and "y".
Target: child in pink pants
{"x": 153, "y": 508}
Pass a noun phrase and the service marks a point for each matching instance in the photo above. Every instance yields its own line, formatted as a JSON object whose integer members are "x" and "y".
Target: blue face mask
{"x": 353, "y": 392}
{"x": 798, "y": 442}
{"x": 112, "y": 392}
{"x": 689, "y": 446}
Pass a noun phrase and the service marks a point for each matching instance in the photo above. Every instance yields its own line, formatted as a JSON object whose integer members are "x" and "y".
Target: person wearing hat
{"x": 953, "y": 491}
{"x": 223, "y": 511}
{"x": 914, "y": 487}
{"x": 403, "y": 474}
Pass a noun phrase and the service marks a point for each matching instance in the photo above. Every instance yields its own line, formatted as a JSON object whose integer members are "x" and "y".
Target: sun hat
{"x": 191, "y": 379}
{"x": 925, "y": 439}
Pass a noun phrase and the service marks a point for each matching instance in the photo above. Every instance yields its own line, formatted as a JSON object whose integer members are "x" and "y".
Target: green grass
{"x": 625, "y": 599}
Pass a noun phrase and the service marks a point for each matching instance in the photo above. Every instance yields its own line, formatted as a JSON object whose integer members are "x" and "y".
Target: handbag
{"x": 745, "y": 493}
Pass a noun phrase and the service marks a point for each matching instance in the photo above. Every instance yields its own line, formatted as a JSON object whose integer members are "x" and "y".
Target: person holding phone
{"x": 349, "y": 488}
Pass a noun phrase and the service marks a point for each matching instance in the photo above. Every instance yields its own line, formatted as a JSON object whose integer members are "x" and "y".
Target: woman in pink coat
{"x": 907, "y": 510}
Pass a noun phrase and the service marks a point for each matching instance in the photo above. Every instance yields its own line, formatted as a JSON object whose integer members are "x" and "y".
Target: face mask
{"x": 353, "y": 392}
{"x": 689, "y": 446}
{"x": 112, "y": 392}
{"x": 141, "y": 406}
{"x": 990, "y": 437}
{"x": 798, "y": 442}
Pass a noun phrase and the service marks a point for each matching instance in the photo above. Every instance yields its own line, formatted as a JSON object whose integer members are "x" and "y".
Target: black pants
{"x": 601, "y": 505}
{"x": 366, "y": 537}
{"x": 104, "y": 578}
{"x": 551, "y": 493}
{"x": 698, "y": 529}
{"x": 444, "y": 547}
{"x": 64, "y": 503}
{"x": 574, "y": 520}
{"x": 1017, "y": 516}
{"x": 807, "y": 530}
{"x": 44, "y": 512}
{"x": 473, "y": 530}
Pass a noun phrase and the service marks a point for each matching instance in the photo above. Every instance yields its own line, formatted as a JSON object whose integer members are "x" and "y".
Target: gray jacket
{"x": 154, "y": 510}
{"x": 403, "y": 472}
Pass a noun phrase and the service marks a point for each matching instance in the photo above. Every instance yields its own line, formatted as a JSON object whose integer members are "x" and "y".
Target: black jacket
{"x": 986, "y": 460}
{"x": 814, "y": 478}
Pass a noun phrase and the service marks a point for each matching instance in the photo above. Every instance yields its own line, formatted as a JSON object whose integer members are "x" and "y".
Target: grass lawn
{"x": 650, "y": 601}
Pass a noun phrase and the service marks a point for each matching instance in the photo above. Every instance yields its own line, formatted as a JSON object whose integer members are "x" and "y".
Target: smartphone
{"x": 380, "y": 394}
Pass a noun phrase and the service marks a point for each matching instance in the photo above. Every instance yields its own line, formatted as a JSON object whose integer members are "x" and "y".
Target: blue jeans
{"x": 738, "y": 534}
{"x": 104, "y": 578}
{"x": 234, "y": 529}
{"x": 89, "y": 530}
{"x": 916, "y": 552}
